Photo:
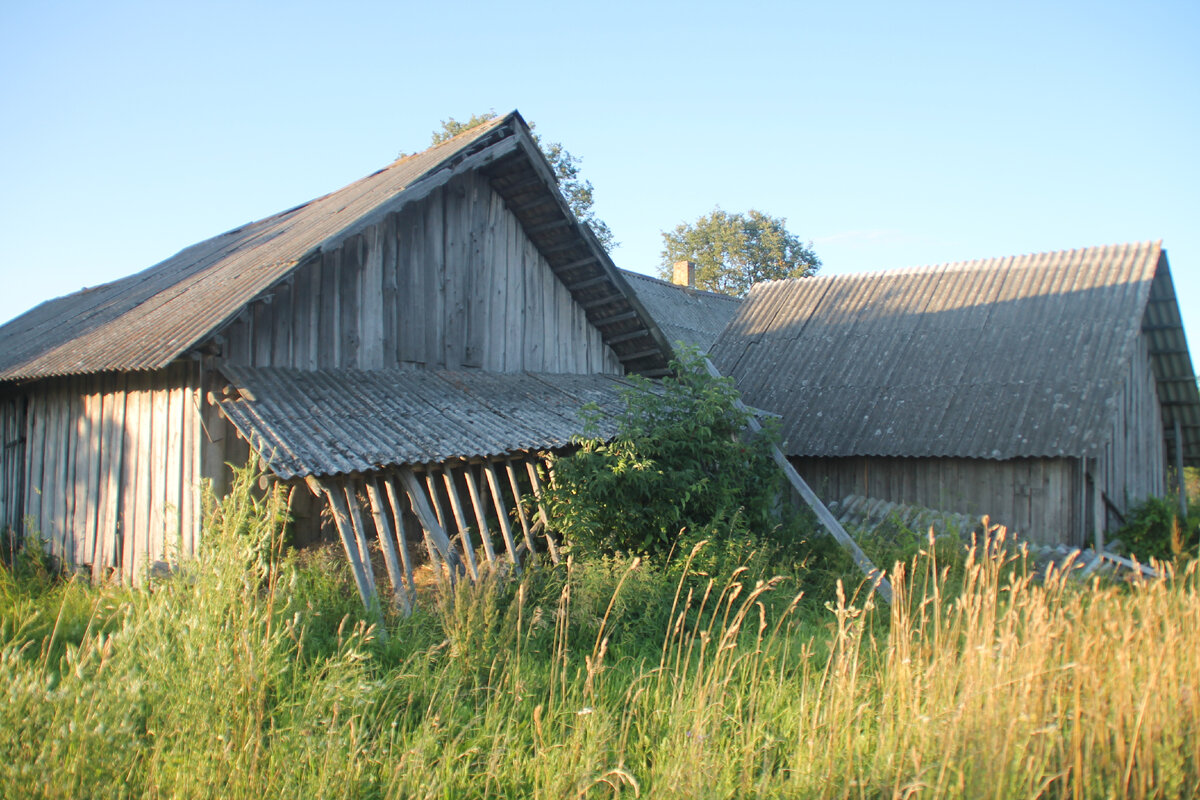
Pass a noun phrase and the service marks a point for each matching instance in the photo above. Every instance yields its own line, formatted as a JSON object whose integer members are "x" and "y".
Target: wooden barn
{"x": 1049, "y": 391}
{"x": 404, "y": 344}
{"x": 684, "y": 313}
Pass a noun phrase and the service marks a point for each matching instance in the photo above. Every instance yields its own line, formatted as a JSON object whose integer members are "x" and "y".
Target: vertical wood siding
{"x": 1036, "y": 497}
{"x": 1132, "y": 465}
{"x": 112, "y": 468}
{"x": 12, "y": 461}
{"x": 451, "y": 282}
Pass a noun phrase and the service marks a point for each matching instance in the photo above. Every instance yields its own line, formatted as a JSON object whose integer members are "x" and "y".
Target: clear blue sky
{"x": 890, "y": 134}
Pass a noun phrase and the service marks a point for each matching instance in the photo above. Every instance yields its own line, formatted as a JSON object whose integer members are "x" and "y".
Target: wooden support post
{"x": 464, "y": 536}
{"x": 341, "y": 519}
{"x": 516, "y": 490}
{"x": 1180, "y": 477}
{"x": 390, "y": 557}
{"x": 360, "y": 533}
{"x": 393, "y": 497}
{"x": 485, "y": 534}
{"x": 501, "y": 513}
{"x": 536, "y": 484}
{"x": 437, "y": 535}
{"x": 878, "y": 580}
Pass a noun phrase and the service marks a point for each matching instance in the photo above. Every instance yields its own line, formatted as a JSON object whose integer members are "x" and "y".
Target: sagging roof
{"x": 148, "y": 319}
{"x": 693, "y": 316}
{"x": 329, "y": 422}
{"x": 1000, "y": 358}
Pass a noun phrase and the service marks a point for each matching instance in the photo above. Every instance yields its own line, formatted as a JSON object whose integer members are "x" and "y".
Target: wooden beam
{"x": 516, "y": 490}
{"x": 590, "y": 282}
{"x": 341, "y": 519}
{"x": 615, "y": 318}
{"x": 360, "y": 533}
{"x": 641, "y": 333}
{"x": 501, "y": 514}
{"x": 602, "y": 301}
{"x": 534, "y": 230}
{"x": 464, "y": 537}
{"x": 879, "y": 581}
{"x": 437, "y": 535}
{"x": 485, "y": 535}
{"x": 388, "y": 542}
{"x": 652, "y": 351}
{"x": 536, "y": 485}
{"x": 401, "y": 539}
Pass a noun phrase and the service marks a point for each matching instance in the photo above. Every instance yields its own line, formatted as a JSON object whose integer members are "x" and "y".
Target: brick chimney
{"x": 685, "y": 274}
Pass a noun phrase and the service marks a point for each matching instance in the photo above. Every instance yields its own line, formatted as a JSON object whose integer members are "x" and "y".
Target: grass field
{"x": 252, "y": 674}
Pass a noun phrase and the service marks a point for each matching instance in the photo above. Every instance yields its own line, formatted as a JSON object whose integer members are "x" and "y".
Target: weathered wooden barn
{"x": 408, "y": 339}
{"x": 1049, "y": 391}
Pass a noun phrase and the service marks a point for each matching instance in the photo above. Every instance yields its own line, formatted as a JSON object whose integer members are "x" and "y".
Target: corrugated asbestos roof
{"x": 329, "y": 422}
{"x": 147, "y": 320}
{"x": 997, "y": 359}
{"x": 692, "y": 316}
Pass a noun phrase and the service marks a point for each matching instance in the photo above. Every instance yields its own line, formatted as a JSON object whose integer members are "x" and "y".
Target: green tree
{"x": 577, "y": 190}
{"x": 733, "y": 251}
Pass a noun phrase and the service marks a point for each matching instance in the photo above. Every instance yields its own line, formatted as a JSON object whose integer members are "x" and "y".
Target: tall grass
{"x": 251, "y": 673}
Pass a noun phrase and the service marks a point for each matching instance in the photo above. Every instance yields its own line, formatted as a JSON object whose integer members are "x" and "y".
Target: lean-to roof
{"x": 684, "y": 314}
{"x": 148, "y": 319}
{"x": 998, "y": 359}
{"x": 329, "y": 422}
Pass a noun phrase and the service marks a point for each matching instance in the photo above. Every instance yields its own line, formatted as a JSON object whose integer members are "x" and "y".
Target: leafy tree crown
{"x": 734, "y": 251}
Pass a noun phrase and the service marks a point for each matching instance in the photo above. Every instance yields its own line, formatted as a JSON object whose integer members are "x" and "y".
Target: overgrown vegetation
{"x": 250, "y": 673}
{"x": 681, "y": 468}
{"x": 1155, "y": 528}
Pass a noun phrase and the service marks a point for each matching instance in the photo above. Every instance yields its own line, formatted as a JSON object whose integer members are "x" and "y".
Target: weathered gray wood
{"x": 371, "y": 327}
{"x": 350, "y": 301}
{"x": 350, "y": 489}
{"x": 536, "y": 485}
{"x": 394, "y": 502}
{"x": 485, "y": 535}
{"x": 878, "y": 580}
{"x": 388, "y": 545}
{"x": 173, "y": 496}
{"x": 420, "y": 506}
{"x": 459, "y": 519}
{"x": 341, "y": 520}
{"x": 501, "y": 514}
{"x": 1183, "y": 499}
{"x": 516, "y": 490}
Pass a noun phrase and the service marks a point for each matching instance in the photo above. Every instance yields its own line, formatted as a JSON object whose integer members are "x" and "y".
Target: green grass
{"x": 253, "y": 673}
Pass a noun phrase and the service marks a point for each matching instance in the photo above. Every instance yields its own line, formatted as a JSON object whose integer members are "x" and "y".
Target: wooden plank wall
{"x": 1036, "y": 497}
{"x": 1132, "y": 465}
{"x": 449, "y": 282}
{"x": 12, "y": 461}
{"x": 112, "y": 473}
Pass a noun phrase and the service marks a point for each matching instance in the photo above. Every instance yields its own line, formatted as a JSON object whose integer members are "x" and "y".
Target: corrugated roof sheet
{"x": 994, "y": 359}
{"x": 329, "y": 422}
{"x": 692, "y": 316}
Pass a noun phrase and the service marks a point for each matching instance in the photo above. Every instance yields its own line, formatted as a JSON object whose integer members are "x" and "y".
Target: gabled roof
{"x": 693, "y": 316}
{"x": 148, "y": 319}
{"x": 996, "y": 359}
{"x": 329, "y": 422}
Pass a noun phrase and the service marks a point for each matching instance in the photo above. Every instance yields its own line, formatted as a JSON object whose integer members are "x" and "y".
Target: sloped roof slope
{"x": 329, "y": 422}
{"x": 692, "y": 316}
{"x": 146, "y": 320}
{"x": 997, "y": 359}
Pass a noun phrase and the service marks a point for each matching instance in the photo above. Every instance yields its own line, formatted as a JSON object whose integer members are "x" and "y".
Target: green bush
{"x": 681, "y": 468}
{"x": 1154, "y": 529}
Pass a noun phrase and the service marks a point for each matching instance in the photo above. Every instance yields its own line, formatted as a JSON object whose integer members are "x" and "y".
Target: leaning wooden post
{"x": 878, "y": 580}
{"x": 516, "y": 490}
{"x": 341, "y": 519}
{"x": 501, "y": 514}
{"x": 536, "y": 484}
{"x": 416, "y": 496}
{"x": 390, "y": 556}
{"x": 401, "y": 538}
{"x": 464, "y": 537}
{"x": 485, "y": 535}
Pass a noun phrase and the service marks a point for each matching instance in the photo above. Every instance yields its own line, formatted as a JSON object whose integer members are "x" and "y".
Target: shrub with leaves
{"x": 682, "y": 462}
{"x": 1153, "y": 529}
